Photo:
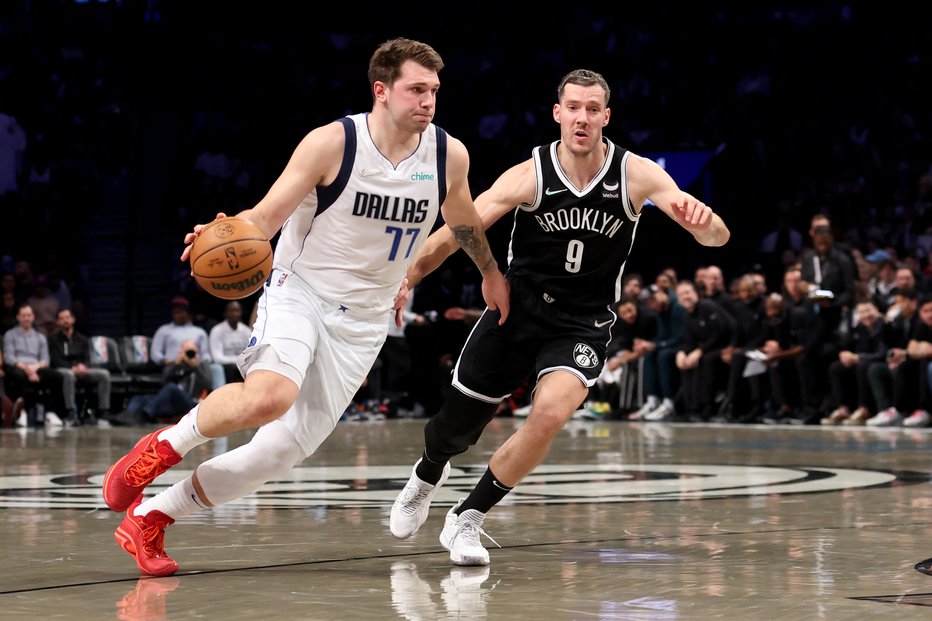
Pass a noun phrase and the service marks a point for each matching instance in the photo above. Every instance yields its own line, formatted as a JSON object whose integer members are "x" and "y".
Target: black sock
{"x": 486, "y": 494}
{"x": 429, "y": 471}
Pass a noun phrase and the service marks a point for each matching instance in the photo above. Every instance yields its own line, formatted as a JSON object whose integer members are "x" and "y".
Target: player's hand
{"x": 190, "y": 237}
{"x": 497, "y": 293}
{"x": 691, "y": 213}
{"x": 401, "y": 300}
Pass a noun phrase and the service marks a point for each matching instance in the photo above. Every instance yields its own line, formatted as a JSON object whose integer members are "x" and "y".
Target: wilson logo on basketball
{"x": 240, "y": 285}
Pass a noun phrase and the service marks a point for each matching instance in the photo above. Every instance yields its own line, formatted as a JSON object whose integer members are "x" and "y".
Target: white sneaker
{"x": 409, "y": 512}
{"x": 648, "y": 407}
{"x": 663, "y": 412}
{"x": 919, "y": 418}
{"x": 886, "y": 418}
{"x": 460, "y": 535}
{"x": 53, "y": 420}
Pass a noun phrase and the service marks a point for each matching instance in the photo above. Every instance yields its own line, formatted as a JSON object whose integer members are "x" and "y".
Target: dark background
{"x": 796, "y": 109}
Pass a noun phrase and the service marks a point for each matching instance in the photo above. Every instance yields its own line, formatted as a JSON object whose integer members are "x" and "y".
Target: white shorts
{"x": 323, "y": 347}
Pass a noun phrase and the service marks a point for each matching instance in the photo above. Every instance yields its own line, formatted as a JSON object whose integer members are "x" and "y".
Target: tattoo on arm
{"x": 475, "y": 245}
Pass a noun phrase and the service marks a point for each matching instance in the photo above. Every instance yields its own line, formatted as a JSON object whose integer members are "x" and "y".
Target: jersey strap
{"x": 327, "y": 195}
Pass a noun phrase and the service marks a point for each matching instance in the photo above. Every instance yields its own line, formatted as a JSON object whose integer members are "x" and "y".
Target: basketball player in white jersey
{"x": 576, "y": 206}
{"x": 354, "y": 204}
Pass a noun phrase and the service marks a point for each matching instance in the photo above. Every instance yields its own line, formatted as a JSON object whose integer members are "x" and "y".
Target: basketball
{"x": 231, "y": 258}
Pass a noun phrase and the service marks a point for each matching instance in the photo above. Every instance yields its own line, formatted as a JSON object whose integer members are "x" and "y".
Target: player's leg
{"x": 490, "y": 365}
{"x": 281, "y": 348}
{"x": 271, "y": 453}
{"x": 556, "y": 397}
{"x": 340, "y": 364}
{"x": 264, "y": 396}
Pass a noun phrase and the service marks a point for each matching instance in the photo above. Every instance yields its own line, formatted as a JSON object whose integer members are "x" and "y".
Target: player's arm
{"x": 515, "y": 186}
{"x": 315, "y": 161}
{"x": 467, "y": 230}
{"x": 647, "y": 180}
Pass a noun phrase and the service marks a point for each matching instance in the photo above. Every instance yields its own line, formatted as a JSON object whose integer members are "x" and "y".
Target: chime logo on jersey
{"x": 585, "y": 356}
{"x": 375, "y": 487}
{"x": 391, "y": 208}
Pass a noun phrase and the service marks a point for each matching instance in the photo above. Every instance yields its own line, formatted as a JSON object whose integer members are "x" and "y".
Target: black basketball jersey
{"x": 570, "y": 245}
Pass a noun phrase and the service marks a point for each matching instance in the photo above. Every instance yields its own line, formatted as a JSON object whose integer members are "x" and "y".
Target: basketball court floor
{"x": 630, "y": 521}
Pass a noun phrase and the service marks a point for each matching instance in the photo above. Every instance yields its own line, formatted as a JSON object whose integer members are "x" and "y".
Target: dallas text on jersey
{"x": 391, "y": 208}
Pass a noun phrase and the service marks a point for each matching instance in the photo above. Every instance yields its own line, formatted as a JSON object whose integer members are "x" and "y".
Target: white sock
{"x": 184, "y": 436}
{"x": 668, "y": 402}
{"x": 652, "y": 401}
{"x": 177, "y": 501}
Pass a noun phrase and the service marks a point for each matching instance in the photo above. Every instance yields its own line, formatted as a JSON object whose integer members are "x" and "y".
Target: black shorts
{"x": 536, "y": 338}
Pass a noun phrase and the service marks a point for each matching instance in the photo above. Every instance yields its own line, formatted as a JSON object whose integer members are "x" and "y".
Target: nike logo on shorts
{"x": 602, "y": 324}
{"x": 550, "y": 192}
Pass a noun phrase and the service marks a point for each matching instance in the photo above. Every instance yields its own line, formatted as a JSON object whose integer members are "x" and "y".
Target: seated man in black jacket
{"x": 70, "y": 355}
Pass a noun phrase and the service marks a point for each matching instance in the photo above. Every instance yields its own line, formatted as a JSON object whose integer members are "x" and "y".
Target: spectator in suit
{"x": 70, "y": 355}
{"x": 710, "y": 329}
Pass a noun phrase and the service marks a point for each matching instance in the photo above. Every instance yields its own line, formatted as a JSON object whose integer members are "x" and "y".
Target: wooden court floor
{"x": 630, "y": 521}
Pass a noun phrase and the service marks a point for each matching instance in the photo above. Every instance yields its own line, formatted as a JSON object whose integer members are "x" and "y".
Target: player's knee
{"x": 547, "y": 420}
{"x": 266, "y": 400}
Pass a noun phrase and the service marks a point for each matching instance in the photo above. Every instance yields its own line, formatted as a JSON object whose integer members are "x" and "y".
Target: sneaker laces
{"x": 471, "y": 531}
{"x": 412, "y": 498}
{"x": 148, "y": 465}
{"x": 154, "y": 536}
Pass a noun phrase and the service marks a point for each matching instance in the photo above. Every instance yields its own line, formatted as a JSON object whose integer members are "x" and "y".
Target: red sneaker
{"x": 143, "y": 538}
{"x": 126, "y": 479}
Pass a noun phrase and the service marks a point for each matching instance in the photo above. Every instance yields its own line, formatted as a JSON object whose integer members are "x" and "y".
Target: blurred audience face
{"x": 822, "y": 240}
{"x": 774, "y": 306}
{"x": 747, "y": 289}
{"x": 180, "y": 315}
{"x": 700, "y": 279}
{"x": 792, "y": 282}
{"x": 867, "y": 314}
{"x": 687, "y": 295}
{"x": 233, "y": 313}
{"x": 633, "y": 286}
{"x": 25, "y": 316}
{"x": 925, "y": 312}
{"x": 658, "y": 301}
{"x": 664, "y": 281}
{"x": 65, "y": 320}
{"x": 628, "y": 311}
{"x": 904, "y": 279}
{"x": 714, "y": 280}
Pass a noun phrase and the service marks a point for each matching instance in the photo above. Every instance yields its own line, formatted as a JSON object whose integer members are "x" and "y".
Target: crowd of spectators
{"x": 175, "y": 111}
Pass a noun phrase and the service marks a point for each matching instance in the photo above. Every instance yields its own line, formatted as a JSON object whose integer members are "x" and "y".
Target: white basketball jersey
{"x": 351, "y": 241}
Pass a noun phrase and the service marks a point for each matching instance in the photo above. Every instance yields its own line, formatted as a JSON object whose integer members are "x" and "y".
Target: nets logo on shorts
{"x": 584, "y": 356}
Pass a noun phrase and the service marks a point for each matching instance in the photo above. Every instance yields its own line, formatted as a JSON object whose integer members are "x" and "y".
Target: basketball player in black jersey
{"x": 576, "y": 206}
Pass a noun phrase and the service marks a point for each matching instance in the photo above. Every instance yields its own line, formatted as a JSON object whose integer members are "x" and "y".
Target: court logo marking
{"x": 377, "y": 486}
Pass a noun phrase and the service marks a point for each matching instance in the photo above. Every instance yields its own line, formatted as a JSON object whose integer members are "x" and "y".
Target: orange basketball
{"x": 231, "y": 258}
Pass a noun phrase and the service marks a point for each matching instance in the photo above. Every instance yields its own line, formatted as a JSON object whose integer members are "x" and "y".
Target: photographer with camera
{"x": 187, "y": 380}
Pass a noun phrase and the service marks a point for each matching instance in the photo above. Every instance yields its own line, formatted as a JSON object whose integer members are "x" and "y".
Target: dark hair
{"x": 584, "y": 77}
{"x": 385, "y": 64}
